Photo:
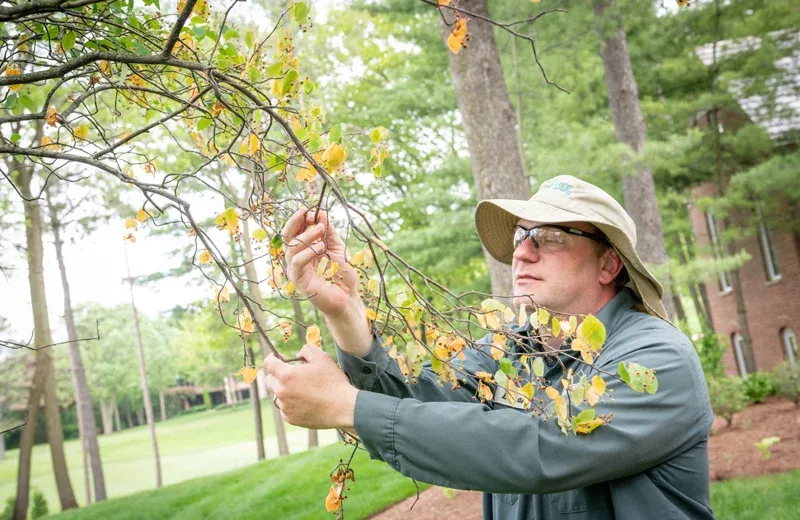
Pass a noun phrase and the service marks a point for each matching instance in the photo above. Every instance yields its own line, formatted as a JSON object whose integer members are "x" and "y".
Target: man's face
{"x": 561, "y": 280}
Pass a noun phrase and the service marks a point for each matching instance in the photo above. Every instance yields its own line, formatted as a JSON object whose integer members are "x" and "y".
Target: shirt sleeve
{"x": 500, "y": 450}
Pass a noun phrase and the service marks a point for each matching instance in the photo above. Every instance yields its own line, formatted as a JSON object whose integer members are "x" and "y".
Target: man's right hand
{"x": 305, "y": 244}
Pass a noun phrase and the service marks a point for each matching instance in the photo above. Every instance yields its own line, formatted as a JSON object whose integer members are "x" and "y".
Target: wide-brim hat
{"x": 568, "y": 199}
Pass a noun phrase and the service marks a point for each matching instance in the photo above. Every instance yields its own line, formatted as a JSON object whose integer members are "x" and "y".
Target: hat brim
{"x": 495, "y": 220}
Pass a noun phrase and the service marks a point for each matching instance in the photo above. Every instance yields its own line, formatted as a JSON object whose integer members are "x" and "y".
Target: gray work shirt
{"x": 651, "y": 461}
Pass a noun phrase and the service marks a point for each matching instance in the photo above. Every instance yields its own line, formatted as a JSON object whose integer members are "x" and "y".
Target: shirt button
{"x": 366, "y": 370}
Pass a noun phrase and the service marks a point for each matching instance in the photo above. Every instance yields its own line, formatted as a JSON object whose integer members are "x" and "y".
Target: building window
{"x": 790, "y": 346}
{"x": 767, "y": 249}
{"x": 724, "y": 281}
{"x": 738, "y": 350}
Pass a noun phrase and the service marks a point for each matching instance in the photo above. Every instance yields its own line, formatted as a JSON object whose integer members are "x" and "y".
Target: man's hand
{"x": 316, "y": 394}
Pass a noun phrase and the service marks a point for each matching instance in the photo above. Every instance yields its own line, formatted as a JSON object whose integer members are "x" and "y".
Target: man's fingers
{"x": 274, "y": 366}
{"x": 295, "y": 224}
{"x": 310, "y": 353}
{"x": 331, "y": 235}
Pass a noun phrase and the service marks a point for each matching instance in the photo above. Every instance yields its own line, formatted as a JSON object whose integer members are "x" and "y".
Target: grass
{"x": 292, "y": 487}
{"x": 756, "y": 498}
{"x": 190, "y": 446}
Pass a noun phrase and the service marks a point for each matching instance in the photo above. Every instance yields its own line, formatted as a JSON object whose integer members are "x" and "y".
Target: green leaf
{"x": 335, "y": 134}
{"x": 11, "y": 101}
{"x": 248, "y": 39}
{"x": 314, "y": 142}
{"x": 436, "y": 364}
{"x": 15, "y": 138}
{"x": 308, "y": 86}
{"x": 623, "y": 373}
{"x": 301, "y": 133}
{"x": 538, "y": 367}
{"x": 288, "y": 80}
{"x": 204, "y": 123}
{"x": 592, "y": 331}
{"x": 585, "y": 416}
{"x": 230, "y": 34}
{"x": 68, "y": 41}
{"x": 300, "y": 12}
{"x": 28, "y": 103}
{"x": 274, "y": 70}
{"x": 277, "y": 241}
{"x": 500, "y": 378}
{"x": 507, "y": 367}
{"x": 577, "y": 393}
{"x": 253, "y": 74}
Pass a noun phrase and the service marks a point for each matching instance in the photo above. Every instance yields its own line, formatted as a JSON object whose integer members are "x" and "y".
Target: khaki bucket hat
{"x": 568, "y": 199}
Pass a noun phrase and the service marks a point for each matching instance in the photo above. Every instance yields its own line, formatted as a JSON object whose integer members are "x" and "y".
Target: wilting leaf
{"x": 205, "y": 257}
{"x": 599, "y": 385}
{"x": 538, "y": 367}
{"x": 313, "y": 335}
{"x": 592, "y": 331}
{"x": 248, "y": 374}
{"x": 456, "y": 39}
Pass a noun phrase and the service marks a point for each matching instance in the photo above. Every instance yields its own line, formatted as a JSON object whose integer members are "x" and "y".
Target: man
{"x": 572, "y": 248}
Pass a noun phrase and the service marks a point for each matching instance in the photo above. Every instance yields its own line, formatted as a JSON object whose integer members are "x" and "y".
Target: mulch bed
{"x": 732, "y": 453}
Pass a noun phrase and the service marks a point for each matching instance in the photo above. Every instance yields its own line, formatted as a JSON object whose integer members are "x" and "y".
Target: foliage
{"x": 8, "y": 511}
{"x": 764, "y": 445}
{"x": 710, "y": 347}
{"x": 786, "y": 380}
{"x": 727, "y": 396}
{"x": 755, "y": 498}
{"x": 39, "y": 505}
{"x": 758, "y": 386}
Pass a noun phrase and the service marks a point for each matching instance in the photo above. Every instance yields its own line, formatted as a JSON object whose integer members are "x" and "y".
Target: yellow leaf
{"x": 142, "y": 215}
{"x": 592, "y": 331}
{"x": 105, "y": 67}
{"x": 484, "y": 391}
{"x": 313, "y": 335}
{"x": 573, "y": 323}
{"x": 49, "y": 144}
{"x": 130, "y": 223}
{"x": 528, "y": 390}
{"x": 51, "y": 116}
{"x": 14, "y": 70}
{"x": 371, "y": 315}
{"x": 591, "y": 396}
{"x": 248, "y": 374}
{"x": 334, "y": 157}
{"x": 222, "y": 296}
{"x": 290, "y": 287}
{"x": 258, "y": 234}
{"x": 82, "y": 132}
{"x": 544, "y": 316}
{"x": 551, "y": 392}
{"x": 333, "y": 502}
{"x": 497, "y": 353}
{"x": 492, "y": 321}
{"x": 523, "y": 316}
{"x": 130, "y": 237}
{"x": 588, "y": 427}
{"x": 245, "y": 323}
{"x": 481, "y": 320}
{"x": 598, "y": 385}
{"x": 444, "y": 2}
{"x": 228, "y": 220}
{"x": 456, "y": 39}
{"x": 566, "y": 327}
{"x": 205, "y": 257}
{"x": 323, "y": 264}
{"x": 373, "y": 287}
{"x": 331, "y": 271}
{"x": 556, "y": 327}
{"x": 150, "y": 168}
{"x": 561, "y": 407}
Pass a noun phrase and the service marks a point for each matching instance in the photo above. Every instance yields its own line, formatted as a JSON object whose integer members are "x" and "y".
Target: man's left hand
{"x": 315, "y": 394}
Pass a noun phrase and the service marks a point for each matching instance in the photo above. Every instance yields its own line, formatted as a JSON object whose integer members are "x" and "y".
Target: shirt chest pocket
{"x": 590, "y": 502}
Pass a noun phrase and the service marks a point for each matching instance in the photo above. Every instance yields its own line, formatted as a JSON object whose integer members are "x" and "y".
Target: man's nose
{"x": 526, "y": 252}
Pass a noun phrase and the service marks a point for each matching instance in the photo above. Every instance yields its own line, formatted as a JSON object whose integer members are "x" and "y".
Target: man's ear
{"x": 610, "y": 266}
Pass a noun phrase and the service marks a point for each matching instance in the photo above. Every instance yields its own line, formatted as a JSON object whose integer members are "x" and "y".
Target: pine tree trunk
{"x": 44, "y": 378}
{"x": 162, "y": 405}
{"x": 83, "y": 400}
{"x": 489, "y": 122}
{"x": 260, "y": 318}
{"x": 255, "y": 403}
{"x": 148, "y": 405}
{"x": 623, "y": 97}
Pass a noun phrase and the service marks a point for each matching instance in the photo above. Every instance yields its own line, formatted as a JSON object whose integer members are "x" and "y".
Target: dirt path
{"x": 732, "y": 453}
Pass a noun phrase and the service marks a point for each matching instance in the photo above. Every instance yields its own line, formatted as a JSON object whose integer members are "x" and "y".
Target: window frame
{"x": 790, "y": 348}
{"x": 725, "y": 286}
{"x": 768, "y": 253}
{"x": 738, "y": 353}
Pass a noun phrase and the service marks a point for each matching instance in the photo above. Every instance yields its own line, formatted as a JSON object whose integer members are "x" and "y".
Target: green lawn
{"x": 191, "y": 446}
{"x": 293, "y": 487}
{"x": 773, "y": 497}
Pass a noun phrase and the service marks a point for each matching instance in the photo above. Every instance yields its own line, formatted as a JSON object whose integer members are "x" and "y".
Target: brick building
{"x": 770, "y": 281}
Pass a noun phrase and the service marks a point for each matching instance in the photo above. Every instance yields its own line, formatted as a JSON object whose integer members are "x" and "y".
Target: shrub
{"x": 710, "y": 347}
{"x": 8, "y": 511}
{"x": 787, "y": 382}
{"x": 39, "y": 505}
{"x": 727, "y": 396}
{"x": 758, "y": 386}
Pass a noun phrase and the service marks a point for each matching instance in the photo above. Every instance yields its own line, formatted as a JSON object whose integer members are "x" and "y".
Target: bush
{"x": 758, "y": 386}
{"x": 727, "y": 396}
{"x": 787, "y": 382}
{"x": 710, "y": 347}
{"x": 39, "y": 505}
{"x": 8, "y": 511}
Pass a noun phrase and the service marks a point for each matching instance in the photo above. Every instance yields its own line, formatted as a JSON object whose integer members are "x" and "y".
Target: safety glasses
{"x": 552, "y": 237}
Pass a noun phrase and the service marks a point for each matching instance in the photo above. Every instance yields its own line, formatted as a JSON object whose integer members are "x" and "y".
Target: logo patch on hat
{"x": 561, "y": 186}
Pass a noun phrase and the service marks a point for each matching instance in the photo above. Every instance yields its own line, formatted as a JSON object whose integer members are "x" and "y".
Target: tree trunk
{"x": 2, "y": 439}
{"x": 629, "y": 126}
{"x": 129, "y": 415}
{"x": 83, "y": 400}
{"x": 44, "y": 379}
{"x": 489, "y": 122}
{"x": 255, "y": 403}
{"x": 313, "y": 437}
{"x": 260, "y": 318}
{"x": 162, "y": 405}
{"x": 106, "y": 417}
{"x": 139, "y": 417}
{"x": 117, "y": 418}
{"x": 148, "y": 405}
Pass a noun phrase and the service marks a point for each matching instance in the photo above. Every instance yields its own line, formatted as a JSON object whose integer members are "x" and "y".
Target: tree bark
{"x": 260, "y": 318}
{"x": 489, "y": 122}
{"x": 162, "y": 405}
{"x": 2, "y": 439}
{"x": 313, "y": 436}
{"x": 629, "y": 126}
{"x": 117, "y": 418}
{"x": 83, "y": 400}
{"x": 148, "y": 405}
{"x": 139, "y": 417}
{"x": 44, "y": 379}
{"x": 106, "y": 417}
{"x": 255, "y": 403}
